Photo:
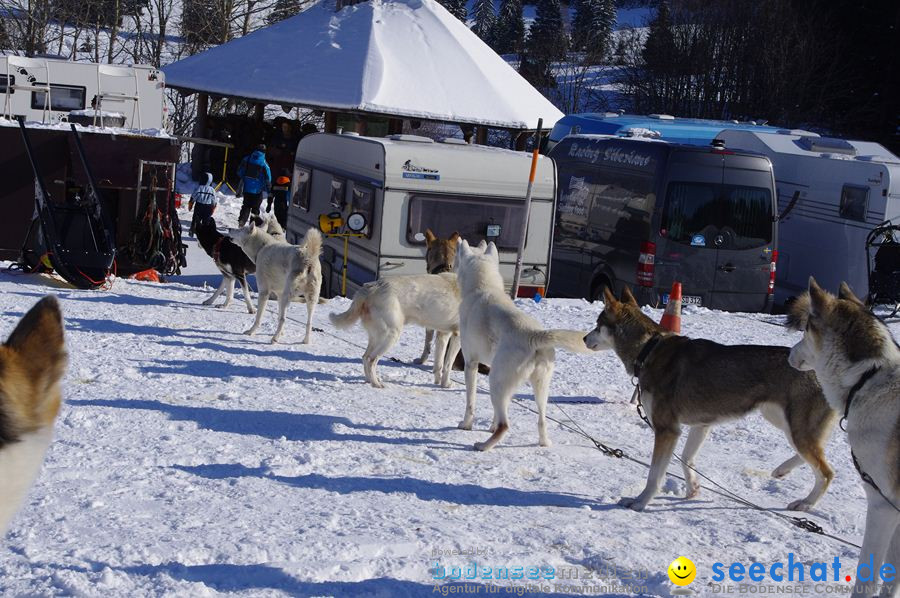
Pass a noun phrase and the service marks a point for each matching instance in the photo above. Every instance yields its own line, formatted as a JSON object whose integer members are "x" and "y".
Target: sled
{"x": 884, "y": 266}
{"x": 73, "y": 236}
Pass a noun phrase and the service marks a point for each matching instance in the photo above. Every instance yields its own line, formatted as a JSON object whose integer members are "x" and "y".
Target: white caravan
{"x": 76, "y": 89}
{"x": 843, "y": 189}
{"x": 405, "y": 184}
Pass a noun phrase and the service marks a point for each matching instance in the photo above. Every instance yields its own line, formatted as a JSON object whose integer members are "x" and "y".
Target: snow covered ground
{"x": 191, "y": 460}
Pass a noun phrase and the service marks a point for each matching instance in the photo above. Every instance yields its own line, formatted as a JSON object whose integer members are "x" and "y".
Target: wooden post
{"x": 521, "y": 141}
{"x": 259, "y": 112}
{"x": 481, "y": 135}
{"x": 330, "y": 122}
{"x": 395, "y": 126}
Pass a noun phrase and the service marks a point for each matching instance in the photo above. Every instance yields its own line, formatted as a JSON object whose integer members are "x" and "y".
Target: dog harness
{"x": 217, "y": 249}
{"x": 636, "y": 368}
{"x": 441, "y": 269}
{"x": 850, "y": 396}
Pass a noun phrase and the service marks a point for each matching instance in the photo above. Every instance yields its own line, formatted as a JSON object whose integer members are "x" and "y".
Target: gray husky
{"x": 857, "y": 363}
{"x": 700, "y": 383}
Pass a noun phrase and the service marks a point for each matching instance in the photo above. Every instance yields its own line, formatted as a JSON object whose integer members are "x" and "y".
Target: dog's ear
{"x": 429, "y": 237}
{"x": 482, "y": 246}
{"x": 491, "y": 251}
{"x": 454, "y": 237}
{"x": 609, "y": 300}
{"x": 462, "y": 249}
{"x": 38, "y": 347}
{"x": 627, "y": 297}
{"x": 846, "y": 294}
{"x": 818, "y": 298}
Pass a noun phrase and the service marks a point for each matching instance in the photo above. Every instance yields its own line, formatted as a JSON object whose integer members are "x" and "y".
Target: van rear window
{"x": 717, "y": 216}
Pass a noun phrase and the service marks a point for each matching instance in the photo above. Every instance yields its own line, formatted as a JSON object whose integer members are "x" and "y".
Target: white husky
{"x": 32, "y": 362}
{"x": 494, "y": 332}
{"x": 385, "y": 306}
{"x": 284, "y": 269}
{"x": 857, "y": 363}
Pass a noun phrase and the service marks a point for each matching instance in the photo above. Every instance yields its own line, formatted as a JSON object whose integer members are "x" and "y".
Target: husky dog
{"x": 493, "y": 331}
{"x": 439, "y": 257}
{"x": 32, "y": 362}
{"x": 700, "y": 383}
{"x": 386, "y": 305}
{"x": 283, "y": 269}
{"x": 230, "y": 259}
{"x": 857, "y": 363}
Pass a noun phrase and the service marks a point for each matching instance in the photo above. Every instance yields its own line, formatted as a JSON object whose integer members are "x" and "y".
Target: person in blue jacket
{"x": 256, "y": 179}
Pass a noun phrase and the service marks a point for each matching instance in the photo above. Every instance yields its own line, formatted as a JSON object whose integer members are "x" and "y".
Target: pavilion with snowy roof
{"x": 399, "y": 59}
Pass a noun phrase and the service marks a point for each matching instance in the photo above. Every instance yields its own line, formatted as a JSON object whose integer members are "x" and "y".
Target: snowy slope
{"x": 191, "y": 460}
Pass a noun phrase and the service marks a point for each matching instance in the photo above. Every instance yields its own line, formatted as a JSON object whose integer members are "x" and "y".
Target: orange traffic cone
{"x": 671, "y": 319}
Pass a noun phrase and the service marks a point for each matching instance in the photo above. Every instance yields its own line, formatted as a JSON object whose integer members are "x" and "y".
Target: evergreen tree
{"x": 485, "y": 20}
{"x": 660, "y": 49}
{"x": 284, "y": 9}
{"x": 592, "y": 28}
{"x": 546, "y": 44}
{"x": 509, "y": 34}
{"x": 457, "y": 8}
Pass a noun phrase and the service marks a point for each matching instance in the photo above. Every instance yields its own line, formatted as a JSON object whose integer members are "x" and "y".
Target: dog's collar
{"x": 440, "y": 269}
{"x": 859, "y": 384}
{"x": 644, "y": 354}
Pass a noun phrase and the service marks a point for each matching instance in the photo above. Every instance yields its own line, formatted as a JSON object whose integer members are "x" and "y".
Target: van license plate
{"x": 685, "y": 299}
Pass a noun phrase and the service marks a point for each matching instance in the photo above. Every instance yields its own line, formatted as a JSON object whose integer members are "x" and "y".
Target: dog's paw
{"x": 207, "y": 302}
{"x": 419, "y": 360}
{"x": 445, "y": 383}
{"x": 465, "y": 425}
{"x": 635, "y": 504}
{"x": 692, "y": 490}
{"x": 481, "y": 446}
{"x": 250, "y": 332}
{"x": 378, "y": 384}
{"x": 545, "y": 442}
{"x": 250, "y": 310}
{"x": 781, "y": 471}
{"x": 799, "y": 505}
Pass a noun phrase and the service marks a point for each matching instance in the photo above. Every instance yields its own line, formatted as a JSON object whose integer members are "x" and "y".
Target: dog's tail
{"x": 312, "y": 242}
{"x": 349, "y": 317}
{"x": 570, "y": 340}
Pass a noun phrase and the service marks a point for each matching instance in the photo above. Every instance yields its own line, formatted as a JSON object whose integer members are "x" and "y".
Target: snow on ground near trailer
{"x": 192, "y": 460}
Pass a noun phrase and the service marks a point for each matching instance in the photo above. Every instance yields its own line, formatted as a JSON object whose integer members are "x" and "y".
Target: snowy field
{"x": 191, "y": 460}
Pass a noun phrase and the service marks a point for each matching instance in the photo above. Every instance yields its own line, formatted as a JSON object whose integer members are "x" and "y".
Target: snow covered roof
{"x": 405, "y": 58}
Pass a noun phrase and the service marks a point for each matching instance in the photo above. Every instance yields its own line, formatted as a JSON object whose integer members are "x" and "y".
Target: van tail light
{"x": 772, "y": 266}
{"x": 646, "y": 264}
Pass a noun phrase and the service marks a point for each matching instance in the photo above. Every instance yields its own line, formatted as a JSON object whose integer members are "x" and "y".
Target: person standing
{"x": 203, "y": 203}
{"x": 280, "y": 192}
{"x": 256, "y": 178}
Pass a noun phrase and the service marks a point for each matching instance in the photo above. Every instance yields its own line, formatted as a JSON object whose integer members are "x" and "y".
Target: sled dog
{"x": 283, "y": 269}
{"x": 700, "y": 383}
{"x": 386, "y": 305}
{"x": 439, "y": 257}
{"x": 32, "y": 362}
{"x": 230, "y": 259}
{"x": 494, "y": 332}
{"x": 857, "y": 363}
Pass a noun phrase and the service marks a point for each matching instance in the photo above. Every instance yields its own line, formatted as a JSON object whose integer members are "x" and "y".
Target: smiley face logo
{"x": 682, "y": 571}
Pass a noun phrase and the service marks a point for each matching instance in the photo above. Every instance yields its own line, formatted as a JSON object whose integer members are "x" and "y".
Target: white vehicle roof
{"x": 418, "y": 163}
{"x": 809, "y": 146}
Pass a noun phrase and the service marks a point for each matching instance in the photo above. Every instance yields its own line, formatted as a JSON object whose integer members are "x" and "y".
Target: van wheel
{"x": 597, "y": 288}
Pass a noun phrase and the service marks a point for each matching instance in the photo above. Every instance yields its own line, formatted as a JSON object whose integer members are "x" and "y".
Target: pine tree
{"x": 659, "y": 48}
{"x": 592, "y": 28}
{"x": 284, "y": 9}
{"x": 485, "y": 20}
{"x": 546, "y": 44}
{"x": 457, "y": 8}
{"x": 509, "y": 35}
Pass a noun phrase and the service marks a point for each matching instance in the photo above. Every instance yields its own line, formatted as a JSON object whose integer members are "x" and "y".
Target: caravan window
{"x": 7, "y": 79}
{"x": 338, "y": 198}
{"x": 300, "y": 187}
{"x": 62, "y": 98}
{"x": 470, "y": 216}
{"x": 853, "y": 202}
{"x": 364, "y": 202}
